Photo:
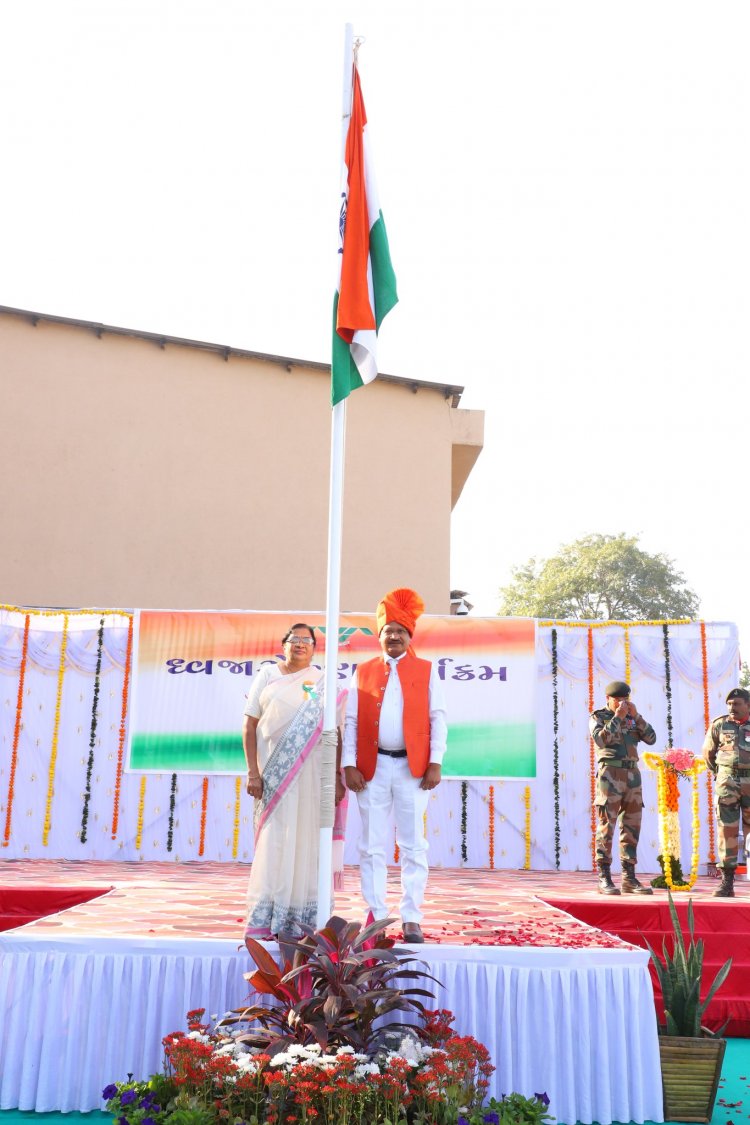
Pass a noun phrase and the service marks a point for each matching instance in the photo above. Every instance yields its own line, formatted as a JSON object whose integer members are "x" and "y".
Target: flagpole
{"x": 333, "y": 588}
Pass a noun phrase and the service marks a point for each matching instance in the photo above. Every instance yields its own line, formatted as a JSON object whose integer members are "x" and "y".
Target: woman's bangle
{"x": 253, "y": 776}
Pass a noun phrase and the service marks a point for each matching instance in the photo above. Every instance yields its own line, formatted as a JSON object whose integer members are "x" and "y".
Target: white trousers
{"x": 393, "y": 787}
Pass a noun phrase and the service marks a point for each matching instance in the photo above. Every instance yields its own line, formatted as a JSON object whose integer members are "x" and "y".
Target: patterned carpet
{"x": 463, "y": 907}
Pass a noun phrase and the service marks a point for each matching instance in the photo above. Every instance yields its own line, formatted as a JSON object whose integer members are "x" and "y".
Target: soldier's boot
{"x": 630, "y": 885}
{"x": 605, "y": 885}
{"x": 726, "y": 887}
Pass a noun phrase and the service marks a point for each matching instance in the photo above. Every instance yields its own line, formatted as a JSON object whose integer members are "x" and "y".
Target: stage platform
{"x": 89, "y": 992}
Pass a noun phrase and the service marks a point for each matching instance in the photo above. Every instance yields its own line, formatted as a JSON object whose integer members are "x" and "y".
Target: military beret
{"x": 617, "y": 689}
{"x": 739, "y": 693}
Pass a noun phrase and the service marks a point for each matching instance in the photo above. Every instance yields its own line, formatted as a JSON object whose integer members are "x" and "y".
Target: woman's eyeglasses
{"x": 299, "y": 641}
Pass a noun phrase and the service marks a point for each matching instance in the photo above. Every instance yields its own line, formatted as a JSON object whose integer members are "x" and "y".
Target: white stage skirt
{"x": 79, "y": 1013}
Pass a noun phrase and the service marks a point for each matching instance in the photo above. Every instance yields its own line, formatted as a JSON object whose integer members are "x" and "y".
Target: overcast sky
{"x": 566, "y": 191}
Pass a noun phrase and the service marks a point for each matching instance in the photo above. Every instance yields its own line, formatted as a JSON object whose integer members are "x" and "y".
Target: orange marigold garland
{"x": 236, "y": 836}
{"x": 592, "y": 748}
{"x": 204, "y": 811}
{"x": 706, "y": 725}
{"x": 141, "y": 807}
{"x": 492, "y": 827}
{"x": 527, "y": 828}
{"x": 55, "y": 735}
{"x": 16, "y": 732}
{"x": 123, "y": 722}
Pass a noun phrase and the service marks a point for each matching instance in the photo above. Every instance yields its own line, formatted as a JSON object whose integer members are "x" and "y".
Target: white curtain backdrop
{"x": 27, "y": 798}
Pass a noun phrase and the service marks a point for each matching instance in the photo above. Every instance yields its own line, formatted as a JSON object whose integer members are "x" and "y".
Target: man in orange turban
{"x": 394, "y": 741}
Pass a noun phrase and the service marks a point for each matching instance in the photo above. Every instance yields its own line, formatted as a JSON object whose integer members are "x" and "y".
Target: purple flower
{"x": 462, "y": 1120}
{"x": 148, "y": 1121}
{"x": 109, "y": 1092}
{"x": 492, "y": 1118}
{"x": 122, "y": 1121}
{"x": 542, "y": 1098}
{"x": 127, "y": 1097}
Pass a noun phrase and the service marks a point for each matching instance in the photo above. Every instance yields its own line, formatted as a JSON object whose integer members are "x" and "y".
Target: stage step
{"x": 723, "y": 925}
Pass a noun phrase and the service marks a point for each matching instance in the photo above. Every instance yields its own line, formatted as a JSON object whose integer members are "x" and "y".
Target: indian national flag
{"x": 367, "y": 283}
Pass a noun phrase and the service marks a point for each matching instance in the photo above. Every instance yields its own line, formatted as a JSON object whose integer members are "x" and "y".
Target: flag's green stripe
{"x": 197, "y": 752}
{"x": 383, "y": 277}
{"x": 474, "y": 750}
{"x": 345, "y": 377}
{"x": 491, "y": 750}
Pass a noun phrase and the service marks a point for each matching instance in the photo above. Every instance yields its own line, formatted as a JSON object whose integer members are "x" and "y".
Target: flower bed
{"x": 210, "y": 1078}
{"x": 327, "y": 1051}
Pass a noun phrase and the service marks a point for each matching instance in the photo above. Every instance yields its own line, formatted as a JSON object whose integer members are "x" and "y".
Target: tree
{"x": 599, "y": 578}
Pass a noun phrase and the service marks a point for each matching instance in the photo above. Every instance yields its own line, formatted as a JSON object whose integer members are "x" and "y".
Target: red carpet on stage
{"x": 20, "y": 905}
{"x": 723, "y": 925}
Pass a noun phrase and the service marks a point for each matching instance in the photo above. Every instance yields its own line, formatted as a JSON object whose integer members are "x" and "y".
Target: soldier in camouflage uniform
{"x": 616, "y": 730}
{"x": 726, "y": 749}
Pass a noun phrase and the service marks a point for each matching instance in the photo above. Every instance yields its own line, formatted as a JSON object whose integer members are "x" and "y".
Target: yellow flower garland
{"x": 141, "y": 806}
{"x": 527, "y": 828}
{"x": 236, "y": 836}
{"x": 669, "y": 821}
{"x": 607, "y": 624}
{"x": 55, "y": 736}
{"x": 70, "y": 613}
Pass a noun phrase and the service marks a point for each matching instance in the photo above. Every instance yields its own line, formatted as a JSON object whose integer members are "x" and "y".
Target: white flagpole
{"x": 333, "y": 591}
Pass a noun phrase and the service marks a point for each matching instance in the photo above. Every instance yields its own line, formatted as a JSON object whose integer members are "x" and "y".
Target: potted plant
{"x": 691, "y": 1054}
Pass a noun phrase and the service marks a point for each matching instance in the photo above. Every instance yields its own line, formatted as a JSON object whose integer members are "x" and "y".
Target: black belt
{"x": 619, "y": 763}
{"x": 392, "y": 753}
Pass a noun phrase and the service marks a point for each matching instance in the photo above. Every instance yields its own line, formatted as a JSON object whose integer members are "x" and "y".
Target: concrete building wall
{"x": 136, "y": 474}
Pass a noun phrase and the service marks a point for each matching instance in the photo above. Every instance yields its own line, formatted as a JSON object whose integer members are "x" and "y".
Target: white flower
{"x": 364, "y": 1069}
{"x": 345, "y": 1050}
{"x": 282, "y": 1059}
{"x": 246, "y": 1063}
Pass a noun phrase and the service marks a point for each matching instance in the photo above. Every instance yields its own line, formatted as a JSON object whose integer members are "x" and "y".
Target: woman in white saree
{"x": 281, "y": 735}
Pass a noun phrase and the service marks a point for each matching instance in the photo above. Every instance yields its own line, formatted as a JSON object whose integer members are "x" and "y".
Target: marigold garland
{"x": 204, "y": 811}
{"x": 527, "y": 828}
{"x": 492, "y": 827}
{"x": 172, "y": 802}
{"x": 396, "y": 852}
{"x": 55, "y": 735}
{"x": 464, "y": 795}
{"x": 706, "y": 725}
{"x": 668, "y": 685}
{"x": 607, "y": 624}
{"x": 556, "y": 747}
{"x": 141, "y": 807}
{"x": 16, "y": 732}
{"x": 92, "y": 735}
{"x": 592, "y": 748}
{"x": 123, "y": 729}
{"x": 73, "y": 613}
{"x": 236, "y": 835}
{"x": 668, "y": 801}
{"x": 626, "y": 644}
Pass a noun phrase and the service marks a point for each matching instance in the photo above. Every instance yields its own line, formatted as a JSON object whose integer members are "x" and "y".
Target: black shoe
{"x": 630, "y": 885}
{"x": 605, "y": 885}
{"x": 726, "y": 887}
{"x": 413, "y": 933}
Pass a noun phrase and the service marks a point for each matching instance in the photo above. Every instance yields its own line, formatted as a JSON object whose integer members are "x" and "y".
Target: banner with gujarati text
{"x": 193, "y": 670}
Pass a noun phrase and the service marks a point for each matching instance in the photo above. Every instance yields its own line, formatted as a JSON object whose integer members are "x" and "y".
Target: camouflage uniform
{"x": 726, "y": 749}
{"x": 618, "y": 782}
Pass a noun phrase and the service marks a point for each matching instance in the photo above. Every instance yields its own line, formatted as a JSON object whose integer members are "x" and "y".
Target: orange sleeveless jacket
{"x": 372, "y": 676}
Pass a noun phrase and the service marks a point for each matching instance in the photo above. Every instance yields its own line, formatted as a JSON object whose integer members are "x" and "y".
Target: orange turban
{"x": 403, "y": 606}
